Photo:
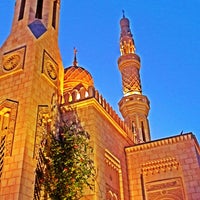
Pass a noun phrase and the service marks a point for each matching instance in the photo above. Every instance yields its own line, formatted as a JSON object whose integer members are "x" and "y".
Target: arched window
{"x": 22, "y": 8}
{"x": 4, "y": 123}
{"x": 54, "y": 14}
{"x": 143, "y": 131}
{"x": 39, "y": 9}
{"x": 4, "y": 120}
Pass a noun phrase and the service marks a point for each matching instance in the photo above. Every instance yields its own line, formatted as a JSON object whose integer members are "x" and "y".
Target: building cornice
{"x": 162, "y": 142}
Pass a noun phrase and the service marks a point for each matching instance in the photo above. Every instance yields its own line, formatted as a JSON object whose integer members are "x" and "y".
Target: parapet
{"x": 76, "y": 96}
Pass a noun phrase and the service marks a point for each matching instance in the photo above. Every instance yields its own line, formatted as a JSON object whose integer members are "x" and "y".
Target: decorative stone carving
{"x": 165, "y": 189}
{"x": 111, "y": 195}
{"x": 50, "y": 68}
{"x": 43, "y": 118}
{"x": 9, "y": 108}
{"x": 161, "y": 165}
{"x": 131, "y": 80}
{"x": 13, "y": 61}
{"x": 114, "y": 188}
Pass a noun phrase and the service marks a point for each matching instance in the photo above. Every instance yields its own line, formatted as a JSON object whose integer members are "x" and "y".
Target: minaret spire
{"x": 131, "y": 80}
{"x": 134, "y": 106}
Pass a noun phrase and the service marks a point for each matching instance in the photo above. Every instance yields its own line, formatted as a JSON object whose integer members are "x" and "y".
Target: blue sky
{"x": 166, "y": 34}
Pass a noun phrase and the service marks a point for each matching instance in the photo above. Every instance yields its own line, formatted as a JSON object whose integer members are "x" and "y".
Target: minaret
{"x": 134, "y": 106}
{"x": 31, "y": 74}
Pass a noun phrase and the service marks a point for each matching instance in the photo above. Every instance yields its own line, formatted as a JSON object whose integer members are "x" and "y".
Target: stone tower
{"x": 134, "y": 106}
{"x": 30, "y": 65}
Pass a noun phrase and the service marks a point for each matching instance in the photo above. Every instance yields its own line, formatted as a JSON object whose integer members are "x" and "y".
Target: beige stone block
{"x": 11, "y": 181}
{"x": 8, "y": 174}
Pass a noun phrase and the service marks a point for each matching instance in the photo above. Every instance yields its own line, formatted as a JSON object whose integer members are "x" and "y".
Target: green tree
{"x": 69, "y": 168}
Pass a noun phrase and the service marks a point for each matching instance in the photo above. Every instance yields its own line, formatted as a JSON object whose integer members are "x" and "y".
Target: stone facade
{"x": 165, "y": 169}
{"x": 33, "y": 84}
{"x": 24, "y": 81}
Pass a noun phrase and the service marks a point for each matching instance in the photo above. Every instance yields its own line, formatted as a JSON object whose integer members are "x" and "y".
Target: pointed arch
{"x": 8, "y": 116}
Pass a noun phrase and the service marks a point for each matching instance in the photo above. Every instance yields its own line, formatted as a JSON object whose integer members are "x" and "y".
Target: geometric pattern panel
{"x": 159, "y": 166}
{"x": 169, "y": 189}
{"x": 131, "y": 80}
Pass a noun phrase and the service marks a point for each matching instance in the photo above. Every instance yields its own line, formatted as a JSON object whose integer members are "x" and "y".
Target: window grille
{"x": 2, "y": 148}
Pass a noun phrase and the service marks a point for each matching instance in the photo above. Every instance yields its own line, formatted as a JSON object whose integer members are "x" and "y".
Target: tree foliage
{"x": 69, "y": 168}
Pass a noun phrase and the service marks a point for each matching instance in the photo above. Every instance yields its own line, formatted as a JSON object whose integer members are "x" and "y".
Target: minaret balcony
{"x": 134, "y": 103}
{"x": 128, "y": 57}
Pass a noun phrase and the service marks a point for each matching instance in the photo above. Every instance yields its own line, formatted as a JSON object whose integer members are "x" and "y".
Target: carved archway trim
{"x": 11, "y": 107}
{"x": 168, "y": 189}
{"x": 41, "y": 127}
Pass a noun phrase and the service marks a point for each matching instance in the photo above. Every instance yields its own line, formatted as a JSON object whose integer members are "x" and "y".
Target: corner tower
{"x": 31, "y": 75}
{"x": 134, "y": 106}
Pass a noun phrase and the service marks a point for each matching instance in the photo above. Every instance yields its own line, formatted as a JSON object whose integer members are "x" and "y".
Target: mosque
{"x": 130, "y": 166}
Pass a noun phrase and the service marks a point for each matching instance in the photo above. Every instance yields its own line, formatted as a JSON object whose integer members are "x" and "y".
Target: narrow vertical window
{"x": 39, "y": 9}
{"x": 143, "y": 132}
{"x": 22, "y": 8}
{"x": 5, "y": 121}
{"x": 54, "y": 14}
{"x": 133, "y": 127}
{"x": 1, "y": 123}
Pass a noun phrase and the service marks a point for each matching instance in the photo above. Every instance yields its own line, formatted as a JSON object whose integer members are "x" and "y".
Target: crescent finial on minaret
{"x": 75, "y": 63}
{"x": 123, "y": 13}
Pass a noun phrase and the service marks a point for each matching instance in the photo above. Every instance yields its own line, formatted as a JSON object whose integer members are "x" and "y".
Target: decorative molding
{"x": 110, "y": 194}
{"x": 10, "y": 107}
{"x": 165, "y": 189}
{"x": 112, "y": 161}
{"x": 161, "y": 142}
{"x": 13, "y": 61}
{"x": 49, "y": 68}
{"x": 161, "y": 165}
{"x": 43, "y": 116}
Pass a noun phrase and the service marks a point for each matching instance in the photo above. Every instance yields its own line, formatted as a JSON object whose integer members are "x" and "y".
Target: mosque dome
{"x": 76, "y": 77}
